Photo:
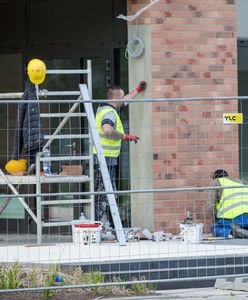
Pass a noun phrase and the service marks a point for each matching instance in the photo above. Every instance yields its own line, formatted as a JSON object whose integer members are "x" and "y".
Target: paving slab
{"x": 51, "y": 252}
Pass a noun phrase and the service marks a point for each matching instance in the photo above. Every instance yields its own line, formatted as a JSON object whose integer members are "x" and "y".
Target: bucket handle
{"x": 98, "y": 222}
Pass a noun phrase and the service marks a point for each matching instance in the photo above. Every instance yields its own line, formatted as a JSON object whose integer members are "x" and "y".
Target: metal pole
{"x": 91, "y": 161}
{"x": 127, "y": 192}
{"x": 89, "y": 78}
{"x": 117, "y": 283}
{"x": 91, "y": 171}
{"x": 38, "y": 199}
{"x": 144, "y": 100}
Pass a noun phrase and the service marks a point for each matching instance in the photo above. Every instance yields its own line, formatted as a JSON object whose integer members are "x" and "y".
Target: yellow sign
{"x": 233, "y": 118}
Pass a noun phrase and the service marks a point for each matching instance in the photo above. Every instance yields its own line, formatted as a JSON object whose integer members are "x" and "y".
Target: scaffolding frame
{"x": 37, "y": 180}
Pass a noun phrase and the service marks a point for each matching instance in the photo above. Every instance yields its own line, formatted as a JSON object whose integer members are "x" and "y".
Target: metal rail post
{"x": 38, "y": 199}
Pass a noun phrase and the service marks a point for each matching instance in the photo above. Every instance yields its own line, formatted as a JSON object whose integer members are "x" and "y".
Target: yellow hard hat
{"x": 14, "y": 166}
{"x": 36, "y": 71}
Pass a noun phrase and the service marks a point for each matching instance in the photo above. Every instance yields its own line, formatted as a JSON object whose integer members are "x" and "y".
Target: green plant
{"x": 95, "y": 278}
{"x": 151, "y": 287}
{"x": 14, "y": 276}
{"x": 10, "y": 278}
{"x": 86, "y": 278}
{"x": 48, "y": 280}
{"x": 139, "y": 288}
{"x": 3, "y": 279}
{"x": 120, "y": 290}
{"x": 142, "y": 288}
{"x": 78, "y": 276}
{"x": 33, "y": 276}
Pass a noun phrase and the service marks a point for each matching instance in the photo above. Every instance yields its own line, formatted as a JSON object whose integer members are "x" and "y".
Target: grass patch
{"x": 16, "y": 276}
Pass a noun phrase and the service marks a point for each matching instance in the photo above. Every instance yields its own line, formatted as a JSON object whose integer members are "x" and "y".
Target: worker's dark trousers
{"x": 102, "y": 210}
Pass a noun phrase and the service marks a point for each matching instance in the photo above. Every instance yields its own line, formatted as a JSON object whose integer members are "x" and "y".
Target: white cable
{"x": 135, "y": 46}
{"x": 139, "y": 12}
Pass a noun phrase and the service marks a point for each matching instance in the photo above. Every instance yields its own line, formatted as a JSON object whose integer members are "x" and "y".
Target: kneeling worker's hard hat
{"x": 36, "y": 71}
{"x": 14, "y": 166}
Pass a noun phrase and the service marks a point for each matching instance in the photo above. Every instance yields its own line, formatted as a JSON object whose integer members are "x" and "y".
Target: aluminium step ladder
{"x": 103, "y": 166}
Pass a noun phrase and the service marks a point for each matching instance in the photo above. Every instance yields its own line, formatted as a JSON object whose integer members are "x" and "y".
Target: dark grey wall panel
{"x": 119, "y": 25}
{"x": 50, "y": 24}
{"x": 12, "y": 24}
{"x": 69, "y": 21}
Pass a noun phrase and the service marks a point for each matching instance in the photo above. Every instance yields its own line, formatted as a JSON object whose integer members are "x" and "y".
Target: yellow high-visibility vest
{"x": 111, "y": 147}
{"x": 233, "y": 202}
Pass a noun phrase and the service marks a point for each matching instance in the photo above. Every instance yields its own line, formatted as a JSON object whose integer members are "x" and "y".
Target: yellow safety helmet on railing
{"x": 14, "y": 166}
{"x": 36, "y": 71}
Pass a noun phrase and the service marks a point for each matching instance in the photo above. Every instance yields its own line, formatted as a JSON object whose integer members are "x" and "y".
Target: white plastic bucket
{"x": 86, "y": 233}
{"x": 191, "y": 233}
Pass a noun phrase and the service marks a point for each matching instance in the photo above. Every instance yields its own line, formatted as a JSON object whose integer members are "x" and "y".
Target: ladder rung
{"x": 58, "y": 93}
{"x": 62, "y": 178}
{"x": 62, "y": 202}
{"x": 67, "y": 136}
{"x": 58, "y": 115}
{"x": 63, "y": 158}
{"x": 64, "y": 71}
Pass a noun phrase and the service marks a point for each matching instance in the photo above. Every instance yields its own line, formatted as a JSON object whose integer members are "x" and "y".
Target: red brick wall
{"x": 193, "y": 55}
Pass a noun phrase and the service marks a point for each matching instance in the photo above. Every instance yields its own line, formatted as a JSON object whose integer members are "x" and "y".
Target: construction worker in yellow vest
{"x": 231, "y": 207}
{"x": 112, "y": 134}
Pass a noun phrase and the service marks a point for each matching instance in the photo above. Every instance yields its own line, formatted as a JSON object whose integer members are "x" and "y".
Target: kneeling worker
{"x": 231, "y": 207}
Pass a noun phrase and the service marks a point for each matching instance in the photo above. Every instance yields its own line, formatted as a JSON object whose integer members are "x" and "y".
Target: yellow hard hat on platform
{"x": 14, "y": 166}
{"x": 36, "y": 71}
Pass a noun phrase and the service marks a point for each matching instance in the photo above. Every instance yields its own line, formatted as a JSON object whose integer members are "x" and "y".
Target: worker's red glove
{"x": 131, "y": 138}
{"x": 141, "y": 86}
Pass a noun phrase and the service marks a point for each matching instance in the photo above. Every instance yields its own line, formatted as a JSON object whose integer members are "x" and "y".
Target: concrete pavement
{"x": 191, "y": 294}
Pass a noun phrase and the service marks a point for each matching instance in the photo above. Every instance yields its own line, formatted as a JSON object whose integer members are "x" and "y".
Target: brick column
{"x": 192, "y": 54}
